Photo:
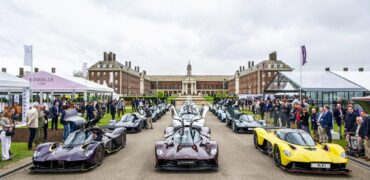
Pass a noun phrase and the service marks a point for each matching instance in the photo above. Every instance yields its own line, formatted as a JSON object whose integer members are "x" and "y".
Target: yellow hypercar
{"x": 295, "y": 151}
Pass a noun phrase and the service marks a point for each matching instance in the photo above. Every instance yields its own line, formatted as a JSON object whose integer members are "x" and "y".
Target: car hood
{"x": 249, "y": 124}
{"x": 126, "y": 124}
{"x": 199, "y": 123}
{"x": 75, "y": 153}
{"x": 185, "y": 153}
{"x": 315, "y": 154}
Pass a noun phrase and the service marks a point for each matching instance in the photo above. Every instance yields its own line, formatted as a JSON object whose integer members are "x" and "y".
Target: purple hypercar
{"x": 84, "y": 149}
{"x": 187, "y": 148}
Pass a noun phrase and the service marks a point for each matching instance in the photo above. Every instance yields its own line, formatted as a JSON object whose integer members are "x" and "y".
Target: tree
{"x": 79, "y": 74}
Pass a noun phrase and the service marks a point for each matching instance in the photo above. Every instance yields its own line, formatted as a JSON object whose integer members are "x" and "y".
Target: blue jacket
{"x": 327, "y": 120}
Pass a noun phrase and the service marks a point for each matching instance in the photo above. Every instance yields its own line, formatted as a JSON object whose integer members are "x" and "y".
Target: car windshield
{"x": 77, "y": 137}
{"x": 184, "y": 137}
{"x": 299, "y": 138}
{"x": 127, "y": 118}
{"x": 248, "y": 118}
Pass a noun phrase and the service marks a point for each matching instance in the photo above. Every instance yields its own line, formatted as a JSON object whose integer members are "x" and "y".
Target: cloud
{"x": 161, "y": 36}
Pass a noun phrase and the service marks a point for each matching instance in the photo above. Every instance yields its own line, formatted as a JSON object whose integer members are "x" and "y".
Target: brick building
{"x": 128, "y": 80}
{"x": 254, "y": 79}
{"x": 189, "y": 84}
{"x": 123, "y": 78}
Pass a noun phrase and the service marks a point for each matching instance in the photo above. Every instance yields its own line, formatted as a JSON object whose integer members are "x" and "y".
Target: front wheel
{"x": 139, "y": 127}
{"x": 123, "y": 139}
{"x": 276, "y": 156}
{"x": 255, "y": 140}
{"x": 235, "y": 130}
{"x": 99, "y": 155}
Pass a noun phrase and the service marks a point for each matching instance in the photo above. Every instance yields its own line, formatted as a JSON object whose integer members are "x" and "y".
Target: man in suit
{"x": 327, "y": 122}
{"x": 90, "y": 111}
{"x": 366, "y": 134}
{"x": 113, "y": 109}
{"x": 339, "y": 115}
{"x": 55, "y": 112}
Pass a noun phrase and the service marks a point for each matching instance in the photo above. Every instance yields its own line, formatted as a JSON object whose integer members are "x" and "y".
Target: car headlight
{"x": 159, "y": 152}
{"x": 343, "y": 155}
{"x": 89, "y": 152}
{"x": 214, "y": 151}
{"x": 36, "y": 153}
{"x": 287, "y": 153}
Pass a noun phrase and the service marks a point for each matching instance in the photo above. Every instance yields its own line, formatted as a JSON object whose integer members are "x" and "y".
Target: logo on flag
{"x": 304, "y": 55}
{"x": 27, "y": 55}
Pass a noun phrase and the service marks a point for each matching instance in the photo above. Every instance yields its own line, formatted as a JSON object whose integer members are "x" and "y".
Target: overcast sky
{"x": 161, "y": 36}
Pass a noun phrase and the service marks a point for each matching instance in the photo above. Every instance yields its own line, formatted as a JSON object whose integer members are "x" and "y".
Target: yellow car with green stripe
{"x": 295, "y": 151}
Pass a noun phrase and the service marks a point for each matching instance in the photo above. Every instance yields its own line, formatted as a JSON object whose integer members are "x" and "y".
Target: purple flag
{"x": 304, "y": 55}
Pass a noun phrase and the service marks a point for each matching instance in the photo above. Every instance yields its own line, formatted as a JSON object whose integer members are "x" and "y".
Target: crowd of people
{"x": 38, "y": 117}
{"x": 317, "y": 121}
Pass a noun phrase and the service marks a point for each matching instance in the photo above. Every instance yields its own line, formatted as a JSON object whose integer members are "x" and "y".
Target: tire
{"x": 139, "y": 127}
{"x": 233, "y": 126}
{"x": 123, "y": 139}
{"x": 98, "y": 156}
{"x": 277, "y": 156}
{"x": 268, "y": 148}
{"x": 255, "y": 140}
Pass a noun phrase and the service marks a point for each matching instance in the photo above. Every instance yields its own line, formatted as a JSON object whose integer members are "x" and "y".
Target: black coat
{"x": 55, "y": 112}
{"x": 337, "y": 116}
{"x": 350, "y": 121}
{"x": 304, "y": 118}
{"x": 366, "y": 123}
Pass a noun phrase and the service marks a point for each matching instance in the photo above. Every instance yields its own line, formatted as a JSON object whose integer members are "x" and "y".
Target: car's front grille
{"x": 307, "y": 166}
{"x": 58, "y": 164}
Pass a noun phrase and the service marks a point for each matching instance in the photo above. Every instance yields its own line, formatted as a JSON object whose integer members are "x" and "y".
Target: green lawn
{"x": 209, "y": 99}
{"x": 20, "y": 151}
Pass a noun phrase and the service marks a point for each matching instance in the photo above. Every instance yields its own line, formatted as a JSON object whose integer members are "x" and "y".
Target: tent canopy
{"x": 49, "y": 82}
{"x": 311, "y": 81}
{"x": 360, "y": 78}
{"x": 9, "y": 82}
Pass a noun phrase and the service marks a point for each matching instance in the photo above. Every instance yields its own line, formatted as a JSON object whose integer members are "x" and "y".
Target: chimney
{"x": 129, "y": 64}
{"x": 361, "y": 69}
{"x": 114, "y": 57}
{"x": 327, "y": 69}
{"x": 249, "y": 64}
{"x": 135, "y": 68}
{"x": 105, "y": 56}
{"x": 3, "y": 70}
{"x": 21, "y": 72}
{"x": 243, "y": 68}
{"x": 53, "y": 70}
{"x": 252, "y": 63}
{"x": 144, "y": 72}
{"x": 138, "y": 69}
{"x": 36, "y": 70}
{"x": 345, "y": 69}
{"x": 272, "y": 56}
{"x": 240, "y": 68}
{"x": 126, "y": 63}
{"x": 110, "y": 56}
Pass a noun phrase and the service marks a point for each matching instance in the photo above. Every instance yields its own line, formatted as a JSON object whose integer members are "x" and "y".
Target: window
{"x": 269, "y": 74}
{"x": 98, "y": 74}
{"x": 99, "y": 66}
{"x": 110, "y": 65}
{"x": 116, "y": 81}
{"x": 104, "y": 66}
{"x": 92, "y": 73}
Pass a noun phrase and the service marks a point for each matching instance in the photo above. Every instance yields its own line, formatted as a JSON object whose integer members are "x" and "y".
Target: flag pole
{"x": 300, "y": 80}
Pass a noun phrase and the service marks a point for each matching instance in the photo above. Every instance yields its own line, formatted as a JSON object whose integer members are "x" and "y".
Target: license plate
{"x": 185, "y": 162}
{"x": 320, "y": 165}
